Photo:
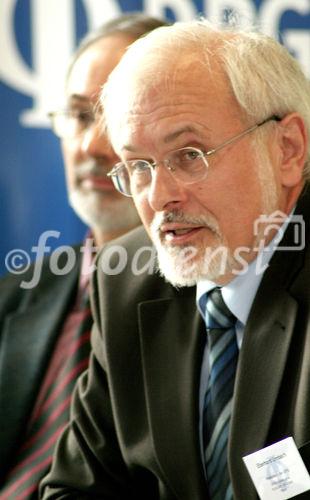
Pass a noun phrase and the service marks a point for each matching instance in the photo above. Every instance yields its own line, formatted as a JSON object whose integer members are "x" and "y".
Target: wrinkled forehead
{"x": 134, "y": 90}
{"x": 125, "y": 113}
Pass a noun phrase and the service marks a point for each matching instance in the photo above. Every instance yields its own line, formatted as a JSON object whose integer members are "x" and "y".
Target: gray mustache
{"x": 91, "y": 168}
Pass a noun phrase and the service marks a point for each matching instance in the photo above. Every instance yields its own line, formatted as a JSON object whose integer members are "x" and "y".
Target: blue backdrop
{"x": 36, "y": 40}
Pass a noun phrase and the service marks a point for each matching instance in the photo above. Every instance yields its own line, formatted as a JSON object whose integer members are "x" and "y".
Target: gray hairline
{"x": 275, "y": 91}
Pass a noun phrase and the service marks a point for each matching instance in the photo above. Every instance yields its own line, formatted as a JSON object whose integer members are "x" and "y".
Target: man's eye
{"x": 138, "y": 166}
{"x": 84, "y": 116}
{"x": 189, "y": 156}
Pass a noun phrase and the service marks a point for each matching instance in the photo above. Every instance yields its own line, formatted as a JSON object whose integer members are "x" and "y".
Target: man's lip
{"x": 97, "y": 182}
{"x": 179, "y": 233}
{"x": 177, "y": 226}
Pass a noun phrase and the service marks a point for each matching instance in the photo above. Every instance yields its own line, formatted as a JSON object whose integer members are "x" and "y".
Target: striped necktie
{"x": 223, "y": 357}
{"x": 51, "y": 412}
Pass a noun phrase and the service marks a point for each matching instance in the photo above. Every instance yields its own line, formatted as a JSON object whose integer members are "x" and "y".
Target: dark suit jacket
{"x": 30, "y": 322}
{"x": 135, "y": 428}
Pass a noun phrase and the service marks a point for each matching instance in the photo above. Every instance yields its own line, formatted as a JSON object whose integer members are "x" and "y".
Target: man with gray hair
{"x": 208, "y": 362}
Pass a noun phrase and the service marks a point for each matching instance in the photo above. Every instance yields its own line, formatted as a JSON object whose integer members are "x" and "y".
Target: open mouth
{"x": 179, "y": 234}
{"x": 181, "y": 231}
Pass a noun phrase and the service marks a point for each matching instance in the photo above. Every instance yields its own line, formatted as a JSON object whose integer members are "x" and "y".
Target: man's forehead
{"x": 144, "y": 104}
{"x": 168, "y": 135}
{"x": 145, "y": 91}
{"x": 94, "y": 65}
{"x": 172, "y": 94}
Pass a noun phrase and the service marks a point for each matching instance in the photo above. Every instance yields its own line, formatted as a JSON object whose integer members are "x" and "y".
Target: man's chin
{"x": 183, "y": 269}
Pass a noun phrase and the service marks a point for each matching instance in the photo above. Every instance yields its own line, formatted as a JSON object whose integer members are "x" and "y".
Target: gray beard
{"x": 118, "y": 215}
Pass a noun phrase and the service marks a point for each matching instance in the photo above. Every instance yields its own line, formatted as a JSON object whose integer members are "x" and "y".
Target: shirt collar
{"x": 240, "y": 292}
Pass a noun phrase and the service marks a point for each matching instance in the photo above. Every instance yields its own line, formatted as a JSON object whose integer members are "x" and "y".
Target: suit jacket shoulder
{"x": 272, "y": 397}
{"x": 30, "y": 322}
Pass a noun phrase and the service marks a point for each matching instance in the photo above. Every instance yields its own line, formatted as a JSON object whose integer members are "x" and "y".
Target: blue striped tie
{"x": 223, "y": 357}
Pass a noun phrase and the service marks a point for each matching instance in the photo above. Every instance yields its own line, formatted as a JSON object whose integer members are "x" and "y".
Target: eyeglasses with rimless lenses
{"x": 187, "y": 165}
{"x": 72, "y": 123}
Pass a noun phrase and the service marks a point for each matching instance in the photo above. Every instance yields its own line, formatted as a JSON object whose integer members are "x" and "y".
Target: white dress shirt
{"x": 238, "y": 295}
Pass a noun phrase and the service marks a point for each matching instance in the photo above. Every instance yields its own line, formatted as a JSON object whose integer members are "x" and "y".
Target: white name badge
{"x": 278, "y": 471}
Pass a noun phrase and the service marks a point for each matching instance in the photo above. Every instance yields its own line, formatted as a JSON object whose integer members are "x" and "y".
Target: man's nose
{"x": 95, "y": 144}
{"x": 165, "y": 192}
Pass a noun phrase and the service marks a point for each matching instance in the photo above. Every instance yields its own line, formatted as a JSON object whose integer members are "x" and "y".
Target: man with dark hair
{"x": 44, "y": 331}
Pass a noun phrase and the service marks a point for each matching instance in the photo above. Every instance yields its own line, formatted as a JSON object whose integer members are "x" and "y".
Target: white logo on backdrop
{"x": 52, "y": 36}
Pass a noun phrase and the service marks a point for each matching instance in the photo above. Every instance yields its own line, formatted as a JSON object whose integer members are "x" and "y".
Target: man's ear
{"x": 293, "y": 142}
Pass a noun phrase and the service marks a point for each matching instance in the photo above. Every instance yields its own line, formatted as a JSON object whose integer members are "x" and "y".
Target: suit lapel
{"x": 172, "y": 388}
{"x": 262, "y": 362}
{"x": 26, "y": 343}
{"x": 263, "y": 359}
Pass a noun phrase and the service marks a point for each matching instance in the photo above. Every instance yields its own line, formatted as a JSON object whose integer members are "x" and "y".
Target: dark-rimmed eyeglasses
{"x": 187, "y": 165}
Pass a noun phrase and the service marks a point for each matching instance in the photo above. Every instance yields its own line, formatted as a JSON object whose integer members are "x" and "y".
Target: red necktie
{"x": 51, "y": 411}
